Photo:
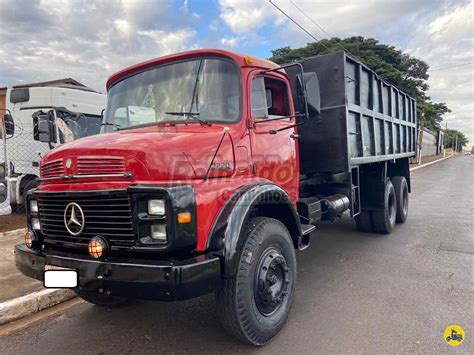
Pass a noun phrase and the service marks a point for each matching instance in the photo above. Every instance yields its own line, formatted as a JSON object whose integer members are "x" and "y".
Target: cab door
{"x": 273, "y": 144}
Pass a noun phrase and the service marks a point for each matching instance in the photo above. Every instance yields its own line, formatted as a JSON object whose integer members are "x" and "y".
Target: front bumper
{"x": 139, "y": 279}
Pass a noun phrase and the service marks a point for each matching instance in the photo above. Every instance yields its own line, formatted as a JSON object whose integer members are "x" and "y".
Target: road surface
{"x": 356, "y": 294}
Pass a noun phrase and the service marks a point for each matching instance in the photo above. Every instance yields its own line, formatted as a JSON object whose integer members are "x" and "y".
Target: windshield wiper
{"x": 193, "y": 115}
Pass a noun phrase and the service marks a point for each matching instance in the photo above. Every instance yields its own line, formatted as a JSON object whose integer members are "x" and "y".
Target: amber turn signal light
{"x": 184, "y": 217}
{"x": 29, "y": 239}
{"x": 97, "y": 247}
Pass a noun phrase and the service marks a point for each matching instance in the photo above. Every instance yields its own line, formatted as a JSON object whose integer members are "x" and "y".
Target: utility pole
{"x": 456, "y": 145}
{"x": 420, "y": 135}
{"x": 445, "y": 140}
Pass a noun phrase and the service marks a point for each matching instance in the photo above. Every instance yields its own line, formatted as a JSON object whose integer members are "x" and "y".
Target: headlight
{"x": 158, "y": 232}
{"x": 35, "y": 224}
{"x": 156, "y": 207}
{"x": 33, "y": 206}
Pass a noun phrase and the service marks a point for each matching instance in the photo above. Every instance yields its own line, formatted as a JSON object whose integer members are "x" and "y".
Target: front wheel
{"x": 255, "y": 303}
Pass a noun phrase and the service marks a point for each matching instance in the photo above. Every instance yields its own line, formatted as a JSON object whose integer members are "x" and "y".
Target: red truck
{"x": 212, "y": 169}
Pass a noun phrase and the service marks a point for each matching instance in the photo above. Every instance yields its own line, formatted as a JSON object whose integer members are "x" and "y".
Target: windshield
{"x": 76, "y": 126}
{"x": 202, "y": 89}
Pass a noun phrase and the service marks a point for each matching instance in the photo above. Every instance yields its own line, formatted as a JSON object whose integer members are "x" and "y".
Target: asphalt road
{"x": 356, "y": 294}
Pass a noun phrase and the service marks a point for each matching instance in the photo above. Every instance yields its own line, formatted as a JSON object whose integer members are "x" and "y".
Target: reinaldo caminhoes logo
{"x": 454, "y": 335}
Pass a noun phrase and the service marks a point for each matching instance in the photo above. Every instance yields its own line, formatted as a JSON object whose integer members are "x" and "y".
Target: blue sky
{"x": 90, "y": 40}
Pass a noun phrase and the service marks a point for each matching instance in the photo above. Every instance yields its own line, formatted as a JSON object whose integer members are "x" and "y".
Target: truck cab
{"x": 21, "y": 152}
{"x": 206, "y": 179}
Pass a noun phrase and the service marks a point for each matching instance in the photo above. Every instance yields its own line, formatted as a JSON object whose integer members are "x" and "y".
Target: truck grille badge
{"x": 74, "y": 219}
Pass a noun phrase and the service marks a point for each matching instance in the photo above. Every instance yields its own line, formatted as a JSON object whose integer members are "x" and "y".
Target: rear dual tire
{"x": 254, "y": 304}
{"x": 395, "y": 209}
{"x": 384, "y": 220}
{"x": 401, "y": 192}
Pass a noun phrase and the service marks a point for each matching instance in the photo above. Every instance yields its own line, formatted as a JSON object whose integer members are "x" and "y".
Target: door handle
{"x": 295, "y": 135}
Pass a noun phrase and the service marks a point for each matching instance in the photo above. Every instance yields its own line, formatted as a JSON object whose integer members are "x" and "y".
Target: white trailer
{"x": 77, "y": 113}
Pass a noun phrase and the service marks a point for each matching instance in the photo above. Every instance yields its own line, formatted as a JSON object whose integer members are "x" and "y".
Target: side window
{"x": 269, "y": 98}
{"x": 259, "y": 101}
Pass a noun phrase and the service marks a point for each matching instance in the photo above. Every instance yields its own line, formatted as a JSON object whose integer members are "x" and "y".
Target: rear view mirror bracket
{"x": 300, "y": 67}
{"x": 44, "y": 127}
{"x": 8, "y": 125}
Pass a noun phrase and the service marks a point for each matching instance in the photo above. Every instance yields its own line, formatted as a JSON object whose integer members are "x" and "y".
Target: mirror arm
{"x": 275, "y": 131}
{"x": 279, "y": 118}
{"x": 300, "y": 66}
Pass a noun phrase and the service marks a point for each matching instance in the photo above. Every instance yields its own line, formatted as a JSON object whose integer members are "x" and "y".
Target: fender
{"x": 261, "y": 199}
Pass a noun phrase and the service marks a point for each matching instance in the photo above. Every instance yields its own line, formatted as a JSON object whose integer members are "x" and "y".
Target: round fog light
{"x": 29, "y": 237}
{"x": 98, "y": 247}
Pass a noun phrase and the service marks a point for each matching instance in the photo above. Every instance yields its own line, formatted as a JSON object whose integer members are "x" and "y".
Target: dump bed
{"x": 363, "y": 119}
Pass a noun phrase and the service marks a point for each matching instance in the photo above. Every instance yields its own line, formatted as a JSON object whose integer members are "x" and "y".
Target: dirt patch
{"x": 12, "y": 221}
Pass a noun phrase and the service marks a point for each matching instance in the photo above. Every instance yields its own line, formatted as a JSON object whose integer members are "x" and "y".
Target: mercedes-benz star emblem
{"x": 74, "y": 219}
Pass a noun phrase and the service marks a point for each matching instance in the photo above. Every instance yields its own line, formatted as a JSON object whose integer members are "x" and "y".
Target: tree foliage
{"x": 450, "y": 139}
{"x": 407, "y": 73}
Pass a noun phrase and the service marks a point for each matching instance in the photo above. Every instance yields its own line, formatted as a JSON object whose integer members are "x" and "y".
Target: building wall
{"x": 429, "y": 143}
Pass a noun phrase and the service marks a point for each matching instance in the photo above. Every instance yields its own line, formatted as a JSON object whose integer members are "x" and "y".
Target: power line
{"x": 297, "y": 24}
{"x": 320, "y": 27}
{"x": 452, "y": 66}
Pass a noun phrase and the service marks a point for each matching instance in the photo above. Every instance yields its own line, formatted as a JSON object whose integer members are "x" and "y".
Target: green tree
{"x": 407, "y": 73}
{"x": 431, "y": 114}
{"x": 450, "y": 136}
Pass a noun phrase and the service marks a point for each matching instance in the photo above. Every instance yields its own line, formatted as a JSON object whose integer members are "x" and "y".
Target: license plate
{"x": 59, "y": 277}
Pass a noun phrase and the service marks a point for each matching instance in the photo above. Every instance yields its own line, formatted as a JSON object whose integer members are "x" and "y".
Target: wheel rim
{"x": 272, "y": 281}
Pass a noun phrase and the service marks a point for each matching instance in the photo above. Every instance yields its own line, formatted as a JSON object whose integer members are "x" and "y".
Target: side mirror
{"x": 44, "y": 128}
{"x": 313, "y": 97}
{"x": 9, "y": 125}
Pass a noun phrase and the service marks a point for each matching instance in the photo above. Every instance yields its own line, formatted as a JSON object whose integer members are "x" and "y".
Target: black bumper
{"x": 162, "y": 281}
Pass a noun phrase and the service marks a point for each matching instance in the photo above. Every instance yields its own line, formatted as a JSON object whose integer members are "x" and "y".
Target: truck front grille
{"x": 51, "y": 169}
{"x": 107, "y": 213}
{"x": 100, "y": 165}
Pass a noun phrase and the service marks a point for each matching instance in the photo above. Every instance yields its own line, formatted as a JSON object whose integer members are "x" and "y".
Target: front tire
{"x": 255, "y": 303}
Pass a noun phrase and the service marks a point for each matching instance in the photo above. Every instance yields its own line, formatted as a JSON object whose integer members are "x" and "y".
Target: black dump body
{"x": 363, "y": 119}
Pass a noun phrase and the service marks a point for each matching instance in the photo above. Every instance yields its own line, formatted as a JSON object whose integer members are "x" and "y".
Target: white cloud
{"x": 229, "y": 42}
{"x": 245, "y": 16}
{"x": 447, "y": 40}
{"x": 56, "y": 38}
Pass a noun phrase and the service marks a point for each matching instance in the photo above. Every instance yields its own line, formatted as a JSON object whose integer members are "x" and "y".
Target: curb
{"x": 34, "y": 302}
{"x": 13, "y": 233}
{"x": 427, "y": 164}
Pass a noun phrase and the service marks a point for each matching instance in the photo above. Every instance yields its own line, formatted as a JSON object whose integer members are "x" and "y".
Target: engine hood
{"x": 168, "y": 152}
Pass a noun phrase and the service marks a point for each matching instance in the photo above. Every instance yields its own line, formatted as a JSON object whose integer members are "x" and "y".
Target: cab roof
{"x": 239, "y": 58}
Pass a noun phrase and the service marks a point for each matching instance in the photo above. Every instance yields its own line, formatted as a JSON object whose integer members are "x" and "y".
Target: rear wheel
{"x": 255, "y": 303}
{"x": 384, "y": 219}
{"x": 363, "y": 221}
{"x": 99, "y": 299}
{"x": 401, "y": 192}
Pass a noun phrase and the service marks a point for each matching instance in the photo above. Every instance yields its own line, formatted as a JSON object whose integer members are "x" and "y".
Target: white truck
{"x": 77, "y": 113}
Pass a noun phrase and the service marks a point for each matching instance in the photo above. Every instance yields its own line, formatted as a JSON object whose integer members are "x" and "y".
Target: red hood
{"x": 157, "y": 153}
